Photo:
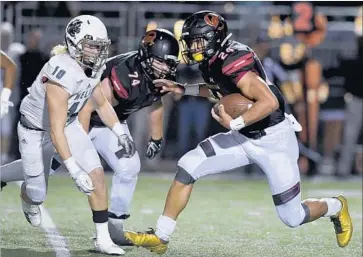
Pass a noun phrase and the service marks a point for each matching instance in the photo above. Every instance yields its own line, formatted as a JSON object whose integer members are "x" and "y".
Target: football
{"x": 234, "y": 104}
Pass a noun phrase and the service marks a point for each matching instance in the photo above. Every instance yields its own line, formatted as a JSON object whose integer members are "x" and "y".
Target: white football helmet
{"x": 87, "y": 41}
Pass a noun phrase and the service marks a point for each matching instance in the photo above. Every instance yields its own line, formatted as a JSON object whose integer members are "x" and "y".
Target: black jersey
{"x": 131, "y": 87}
{"x": 227, "y": 67}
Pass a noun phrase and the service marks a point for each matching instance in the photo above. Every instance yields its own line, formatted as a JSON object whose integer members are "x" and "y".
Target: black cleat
{"x": 116, "y": 229}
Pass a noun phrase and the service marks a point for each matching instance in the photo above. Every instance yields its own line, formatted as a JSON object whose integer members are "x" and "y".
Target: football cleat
{"x": 107, "y": 247}
{"x": 147, "y": 240}
{"x": 32, "y": 213}
{"x": 342, "y": 223}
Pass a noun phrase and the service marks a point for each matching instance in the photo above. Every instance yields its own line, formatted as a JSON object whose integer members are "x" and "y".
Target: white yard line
{"x": 58, "y": 242}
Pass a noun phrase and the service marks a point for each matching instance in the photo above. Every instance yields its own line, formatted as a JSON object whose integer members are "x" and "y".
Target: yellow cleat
{"x": 343, "y": 223}
{"x": 147, "y": 240}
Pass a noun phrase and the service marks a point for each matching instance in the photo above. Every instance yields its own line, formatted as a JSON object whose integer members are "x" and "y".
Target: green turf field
{"x": 223, "y": 218}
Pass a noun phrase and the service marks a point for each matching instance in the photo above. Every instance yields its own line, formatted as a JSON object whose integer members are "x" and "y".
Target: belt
{"x": 26, "y": 124}
{"x": 257, "y": 134}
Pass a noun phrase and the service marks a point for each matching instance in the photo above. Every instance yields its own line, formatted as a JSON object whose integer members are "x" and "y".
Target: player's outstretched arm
{"x": 200, "y": 89}
{"x": 254, "y": 88}
{"x": 9, "y": 81}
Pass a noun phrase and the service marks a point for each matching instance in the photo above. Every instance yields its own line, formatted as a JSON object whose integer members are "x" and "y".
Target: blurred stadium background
{"x": 313, "y": 51}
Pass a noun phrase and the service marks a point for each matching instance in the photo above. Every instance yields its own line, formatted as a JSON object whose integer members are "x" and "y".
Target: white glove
{"x": 83, "y": 181}
{"x": 129, "y": 146}
{"x": 124, "y": 140}
{"x": 4, "y": 102}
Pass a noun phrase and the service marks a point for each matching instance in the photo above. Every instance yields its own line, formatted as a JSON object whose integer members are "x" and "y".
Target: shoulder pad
{"x": 238, "y": 60}
{"x": 62, "y": 70}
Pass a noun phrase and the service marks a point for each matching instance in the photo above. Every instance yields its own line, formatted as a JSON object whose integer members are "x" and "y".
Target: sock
{"x": 165, "y": 227}
{"x": 100, "y": 218}
{"x": 102, "y": 231}
{"x": 12, "y": 171}
{"x": 334, "y": 206}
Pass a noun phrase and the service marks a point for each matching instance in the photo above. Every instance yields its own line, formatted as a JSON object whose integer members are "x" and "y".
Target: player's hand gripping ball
{"x": 234, "y": 105}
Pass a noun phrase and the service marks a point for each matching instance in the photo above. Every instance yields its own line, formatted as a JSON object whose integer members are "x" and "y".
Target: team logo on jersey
{"x": 211, "y": 19}
{"x": 74, "y": 27}
{"x": 149, "y": 38}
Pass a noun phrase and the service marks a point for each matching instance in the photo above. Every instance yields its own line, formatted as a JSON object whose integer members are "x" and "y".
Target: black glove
{"x": 153, "y": 147}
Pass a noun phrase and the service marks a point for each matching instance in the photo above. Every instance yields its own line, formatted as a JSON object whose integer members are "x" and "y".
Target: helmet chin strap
{"x": 226, "y": 39}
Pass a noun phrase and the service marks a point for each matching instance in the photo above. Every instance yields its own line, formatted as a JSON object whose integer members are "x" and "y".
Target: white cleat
{"x": 108, "y": 247}
{"x": 32, "y": 213}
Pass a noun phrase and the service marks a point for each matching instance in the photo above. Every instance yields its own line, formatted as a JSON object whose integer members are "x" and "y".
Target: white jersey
{"x": 66, "y": 72}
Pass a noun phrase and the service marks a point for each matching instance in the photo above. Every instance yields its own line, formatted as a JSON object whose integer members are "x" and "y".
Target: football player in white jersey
{"x": 49, "y": 124}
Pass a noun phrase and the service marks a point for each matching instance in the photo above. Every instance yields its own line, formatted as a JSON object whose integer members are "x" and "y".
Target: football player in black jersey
{"x": 128, "y": 85}
{"x": 261, "y": 135}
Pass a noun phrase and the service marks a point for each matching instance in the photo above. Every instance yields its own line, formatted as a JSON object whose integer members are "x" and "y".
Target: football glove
{"x": 129, "y": 146}
{"x": 153, "y": 147}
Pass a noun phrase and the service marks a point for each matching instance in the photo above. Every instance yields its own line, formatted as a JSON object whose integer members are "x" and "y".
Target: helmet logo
{"x": 149, "y": 38}
{"x": 74, "y": 27}
{"x": 212, "y": 19}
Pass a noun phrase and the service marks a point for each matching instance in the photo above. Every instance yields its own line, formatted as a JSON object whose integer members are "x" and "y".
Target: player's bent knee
{"x": 188, "y": 168}
{"x": 291, "y": 219}
{"x": 183, "y": 176}
{"x": 36, "y": 188}
{"x": 129, "y": 167}
{"x": 291, "y": 211}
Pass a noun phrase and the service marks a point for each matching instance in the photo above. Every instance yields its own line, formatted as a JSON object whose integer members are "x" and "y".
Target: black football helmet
{"x": 205, "y": 29}
{"x": 157, "y": 48}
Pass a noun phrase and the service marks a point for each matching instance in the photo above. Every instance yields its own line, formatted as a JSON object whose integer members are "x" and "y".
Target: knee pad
{"x": 36, "y": 188}
{"x": 128, "y": 168}
{"x": 189, "y": 166}
{"x": 293, "y": 213}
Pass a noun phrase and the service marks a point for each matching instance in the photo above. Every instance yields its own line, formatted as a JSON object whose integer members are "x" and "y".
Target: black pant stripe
{"x": 286, "y": 196}
{"x": 207, "y": 148}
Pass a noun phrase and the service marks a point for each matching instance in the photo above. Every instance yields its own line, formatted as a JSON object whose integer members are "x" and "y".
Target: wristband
{"x": 237, "y": 123}
{"x": 159, "y": 141}
{"x": 71, "y": 165}
{"x": 5, "y": 94}
{"x": 117, "y": 129}
{"x": 191, "y": 89}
